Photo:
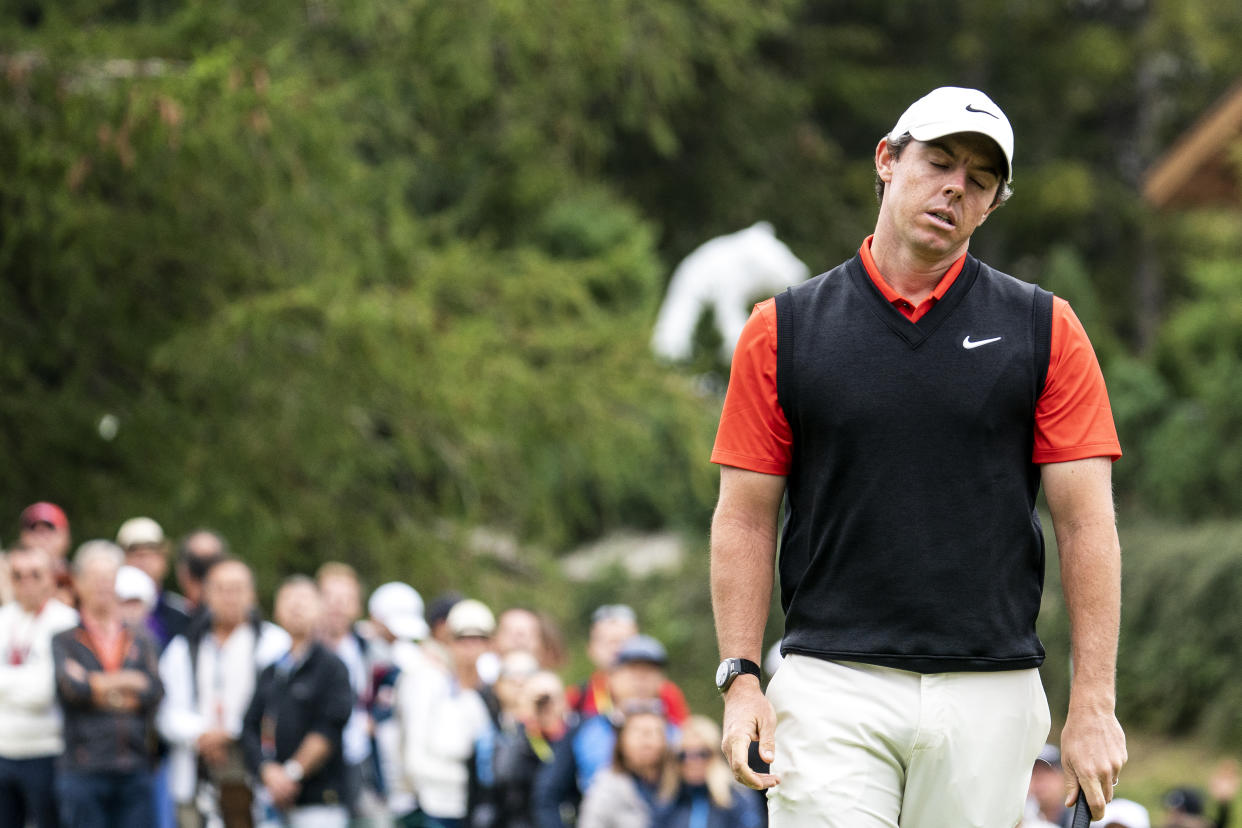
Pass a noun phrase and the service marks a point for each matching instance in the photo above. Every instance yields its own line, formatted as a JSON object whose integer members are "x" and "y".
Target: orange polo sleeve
{"x": 1073, "y": 418}
{"x": 753, "y": 432}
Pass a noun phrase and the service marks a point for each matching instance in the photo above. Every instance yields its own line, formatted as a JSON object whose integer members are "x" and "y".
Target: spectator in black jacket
{"x": 291, "y": 734}
{"x": 107, "y": 680}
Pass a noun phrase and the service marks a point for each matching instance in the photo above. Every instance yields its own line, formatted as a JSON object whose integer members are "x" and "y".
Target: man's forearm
{"x": 312, "y": 752}
{"x": 743, "y": 559}
{"x": 741, "y": 592}
{"x": 1091, "y": 579}
{"x": 1080, "y": 498}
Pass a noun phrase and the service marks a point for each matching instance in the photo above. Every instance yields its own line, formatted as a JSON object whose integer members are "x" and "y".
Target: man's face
{"x": 607, "y": 636}
{"x": 200, "y": 546}
{"x": 518, "y": 629}
{"x": 96, "y": 585}
{"x": 466, "y": 649}
{"x": 151, "y": 558}
{"x": 298, "y": 609}
{"x": 31, "y": 573}
{"x": 342, "y": 604}
{"x": 643, "y": 739}
{"x": 634, "y": 681}
{"x": 937, "y": 193}
{"x": 229, "y": 593}
{"x": 543, "y": 701}
{"x": 203, "y": 545}
{"x": 1048, "y": 789}
{"x": 46, "y": 536}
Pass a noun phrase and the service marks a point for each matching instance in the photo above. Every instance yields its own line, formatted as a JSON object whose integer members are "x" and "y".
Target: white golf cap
{"x": 132, "y": 584}
{"x": 471, "y": 618}
{"x": 139, "y": 531}
{"x": 1124, "y": 813}
{"x": 952, "y": 109}
{"x": 399, "y": 607}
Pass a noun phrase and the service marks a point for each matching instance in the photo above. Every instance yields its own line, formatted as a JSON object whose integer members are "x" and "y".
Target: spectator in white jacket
{"x": 442, "y": 718}
{"x": 209, "y": 677}
{"x": 30, "y": 724}
{"x": 397, "y": 616}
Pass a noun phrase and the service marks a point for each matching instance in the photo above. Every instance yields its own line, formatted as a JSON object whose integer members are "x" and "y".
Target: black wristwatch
{"x": 731, "y": 668}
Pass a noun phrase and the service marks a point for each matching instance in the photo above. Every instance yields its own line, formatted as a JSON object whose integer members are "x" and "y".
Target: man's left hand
{"x": 1093, "y": 751}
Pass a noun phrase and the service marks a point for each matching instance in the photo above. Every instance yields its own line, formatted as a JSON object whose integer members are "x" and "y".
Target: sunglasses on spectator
{"x": 686, "y": 755}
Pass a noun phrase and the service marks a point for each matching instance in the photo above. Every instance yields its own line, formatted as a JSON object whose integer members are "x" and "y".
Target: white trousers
{"x": 311, "y": 816}
{"x": 861, "y": 746}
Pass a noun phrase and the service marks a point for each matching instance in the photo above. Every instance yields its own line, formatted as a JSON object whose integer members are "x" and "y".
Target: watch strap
{"x": 748, "y": 667}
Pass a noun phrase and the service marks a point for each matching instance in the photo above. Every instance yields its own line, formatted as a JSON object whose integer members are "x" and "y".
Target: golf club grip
{"x": 1082, "y": 812}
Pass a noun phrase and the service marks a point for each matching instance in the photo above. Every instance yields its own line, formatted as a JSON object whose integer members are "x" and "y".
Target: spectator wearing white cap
{"x": 30, "y": 726}
{"x": 1123, "y": 813}
{"x": 209, "y": 676}
{"x": 136, "y": 592}
{"x": 396, "y": 611}
{"x": 145, "y": 547}
{"x": 442, "y": 716}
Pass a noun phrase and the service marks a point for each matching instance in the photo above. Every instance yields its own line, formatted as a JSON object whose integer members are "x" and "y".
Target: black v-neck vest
{"x": 911, "y": 536}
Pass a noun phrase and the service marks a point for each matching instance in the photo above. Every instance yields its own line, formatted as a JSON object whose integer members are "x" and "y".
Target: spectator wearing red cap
{"x": 45, "y": 525}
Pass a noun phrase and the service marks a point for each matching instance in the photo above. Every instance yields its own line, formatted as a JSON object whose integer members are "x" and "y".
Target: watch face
{"x": 722, "y": 674}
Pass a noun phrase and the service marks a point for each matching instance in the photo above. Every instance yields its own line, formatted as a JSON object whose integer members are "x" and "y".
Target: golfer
{"x": 909, "y": 403}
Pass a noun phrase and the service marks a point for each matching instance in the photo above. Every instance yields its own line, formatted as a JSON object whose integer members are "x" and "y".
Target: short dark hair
{"x": 197, "y": 566}
{"x": 895, "y": 146}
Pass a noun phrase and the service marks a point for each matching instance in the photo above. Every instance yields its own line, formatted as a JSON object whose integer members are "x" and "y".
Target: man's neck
{"x": 101, "y": 617}
{"x": 298, "y": 646}
{"x": 222, "y": 631}
{"x": 914, "y": 277}
{"x": 468, "y": 677}
{"x": 34, "y": 609}
{"x": 332, "y": 639}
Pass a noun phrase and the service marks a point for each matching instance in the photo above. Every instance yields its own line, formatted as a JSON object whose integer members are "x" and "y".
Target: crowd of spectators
{"x": 123, "y": 703}
{"x": 1183, "y": 807}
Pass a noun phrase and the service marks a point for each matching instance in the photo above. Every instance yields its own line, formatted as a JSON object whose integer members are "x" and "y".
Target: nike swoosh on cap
{"x": 970, "y": 108}
{"x": 968, "y": 345}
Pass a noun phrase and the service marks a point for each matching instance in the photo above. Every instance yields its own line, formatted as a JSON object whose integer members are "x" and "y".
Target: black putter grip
{"x": 1082, "y": 812}
{"x": 756, "y": 761}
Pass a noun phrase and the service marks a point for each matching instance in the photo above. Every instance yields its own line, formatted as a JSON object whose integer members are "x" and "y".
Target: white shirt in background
{"x": 30, "y": 722}
{"x": 225, "y": 683}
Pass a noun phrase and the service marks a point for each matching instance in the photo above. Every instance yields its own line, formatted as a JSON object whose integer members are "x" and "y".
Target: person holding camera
{"x": 509, "y": 760}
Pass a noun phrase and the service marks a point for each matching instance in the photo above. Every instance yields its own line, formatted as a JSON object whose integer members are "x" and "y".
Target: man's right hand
{"x": 213, "y": 746}
{"x": 283, "y": 790}
{"x": 749, "y": 717}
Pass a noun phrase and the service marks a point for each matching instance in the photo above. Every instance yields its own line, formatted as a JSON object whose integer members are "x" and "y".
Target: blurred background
{"x": 376, "y": 281}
